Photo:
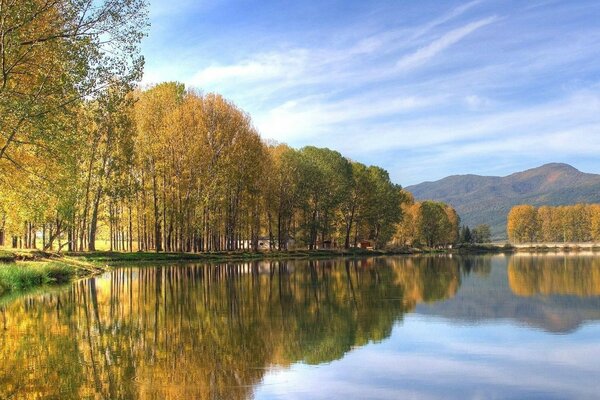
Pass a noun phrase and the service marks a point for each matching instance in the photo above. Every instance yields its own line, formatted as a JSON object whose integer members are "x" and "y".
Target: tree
{"x": 171, "y": 169}
{"x": 595, "y": 222}
{"x": 434, "y": 224}
{"x": 551, "y": 224}
{"x": 482, "y": 234}
{"x": 522, "y": 225}
{"x": 56, "y": 53}
{"x": 327, "y": 175}
{"x": 465, "y": 235}
{"x": 574, "y": 223}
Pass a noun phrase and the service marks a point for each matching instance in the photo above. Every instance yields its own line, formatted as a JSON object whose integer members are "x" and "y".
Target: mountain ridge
{"x": 481, "y": 199}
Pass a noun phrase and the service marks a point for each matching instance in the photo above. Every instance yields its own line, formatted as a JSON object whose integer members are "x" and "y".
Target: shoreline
{"x": 24, "y": 270}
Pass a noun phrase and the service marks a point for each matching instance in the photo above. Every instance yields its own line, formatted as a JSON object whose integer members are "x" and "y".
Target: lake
{"x": 431, "y": 327}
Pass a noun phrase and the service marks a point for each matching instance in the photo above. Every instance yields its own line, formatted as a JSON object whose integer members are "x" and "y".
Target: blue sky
{"x": 423, "y": 88}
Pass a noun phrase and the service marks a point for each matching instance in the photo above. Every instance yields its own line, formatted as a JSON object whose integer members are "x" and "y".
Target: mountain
{"x": 487, "y": 199}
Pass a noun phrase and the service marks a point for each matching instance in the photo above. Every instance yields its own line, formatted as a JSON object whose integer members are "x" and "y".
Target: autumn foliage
{"x": 427, "y": 223}
{"x": 547, "y": 224}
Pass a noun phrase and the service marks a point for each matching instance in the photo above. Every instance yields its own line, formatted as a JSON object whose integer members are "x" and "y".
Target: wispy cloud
{"x": 448, "y": 39}
{"x": 263, "y": 67}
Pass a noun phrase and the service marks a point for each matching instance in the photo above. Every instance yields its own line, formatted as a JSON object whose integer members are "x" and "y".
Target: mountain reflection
{"x": 551, "y": 292}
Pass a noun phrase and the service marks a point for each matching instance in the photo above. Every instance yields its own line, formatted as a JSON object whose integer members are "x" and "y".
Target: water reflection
{"x": 553, "y": 293}
{"x": 194, "y": 331}
{"x": 530, "y": 275}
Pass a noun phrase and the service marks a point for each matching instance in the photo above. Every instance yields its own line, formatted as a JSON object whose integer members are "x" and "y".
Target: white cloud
{"x": 458, "y": 11}
{"x": 306, "y": 118}
{"x": 578, "y": 115}
{"x": 264, "y": 67}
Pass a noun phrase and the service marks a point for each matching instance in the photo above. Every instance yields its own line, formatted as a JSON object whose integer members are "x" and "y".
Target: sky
{"x": 425, "y": 88}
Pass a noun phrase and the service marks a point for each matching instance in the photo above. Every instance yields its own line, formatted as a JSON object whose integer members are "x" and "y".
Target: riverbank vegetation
{"x": 481, "y": 234}
{"x": 25, "y": 275}
{"x": 562, "y": 224}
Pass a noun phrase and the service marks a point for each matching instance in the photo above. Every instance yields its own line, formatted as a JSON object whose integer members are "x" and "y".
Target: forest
{"x": 554, "y": 224}
{"x": 91, "y": 160}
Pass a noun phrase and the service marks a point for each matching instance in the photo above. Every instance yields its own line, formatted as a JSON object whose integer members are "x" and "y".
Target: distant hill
{"x": 487, "y": 199}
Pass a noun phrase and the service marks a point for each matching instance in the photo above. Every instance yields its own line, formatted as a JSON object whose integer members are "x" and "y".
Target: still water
{"x": 383, "y": 328}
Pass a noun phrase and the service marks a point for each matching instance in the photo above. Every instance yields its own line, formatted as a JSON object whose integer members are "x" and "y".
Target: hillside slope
{"x": 487, "y": 199}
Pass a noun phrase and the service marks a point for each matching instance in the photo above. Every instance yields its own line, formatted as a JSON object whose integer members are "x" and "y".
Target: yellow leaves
{"x": 427, "y": 223}
{"x": 575, "y": 223}
{"x": 522, "y": 224}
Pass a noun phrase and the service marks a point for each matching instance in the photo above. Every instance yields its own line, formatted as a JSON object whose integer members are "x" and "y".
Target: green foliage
{"x": 434, "y": 224}
{"x": 482, "y": 234}
{"x": 465, "y": 235}
{"x": 24, "y": 275}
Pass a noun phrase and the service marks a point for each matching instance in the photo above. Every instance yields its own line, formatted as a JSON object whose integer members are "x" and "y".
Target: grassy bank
{"x": 19, "y": 276}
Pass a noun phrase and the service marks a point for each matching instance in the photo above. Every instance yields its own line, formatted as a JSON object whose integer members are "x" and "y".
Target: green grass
{"x": 484, "y": 248}
{"x": 25, "y": 275}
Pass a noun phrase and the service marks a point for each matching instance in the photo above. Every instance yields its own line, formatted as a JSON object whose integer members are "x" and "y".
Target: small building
{"x": 365, "y": 244}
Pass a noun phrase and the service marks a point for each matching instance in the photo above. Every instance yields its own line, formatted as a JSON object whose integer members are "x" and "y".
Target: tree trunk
{"x": 157, "y": 235}
{"x": 94, "y": 220}
{"x": 349, "y": 228}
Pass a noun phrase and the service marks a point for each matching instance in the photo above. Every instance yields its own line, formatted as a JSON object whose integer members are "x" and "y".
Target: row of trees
{"x": 427, "y": 223}
{"x": 546, "y": 224}
{"x": 170, "y": 169}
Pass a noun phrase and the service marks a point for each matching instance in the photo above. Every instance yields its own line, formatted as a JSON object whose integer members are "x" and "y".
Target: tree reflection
{"x": 182, "y": 332}
{"x": 554, "y": 275}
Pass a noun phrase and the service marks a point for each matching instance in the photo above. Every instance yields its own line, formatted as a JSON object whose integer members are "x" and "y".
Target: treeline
{"x": 427, "y": 223}
{"x": 58, "y": 58}
{"x": 169, "y": 169}
{"x": 546, "y": 224}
